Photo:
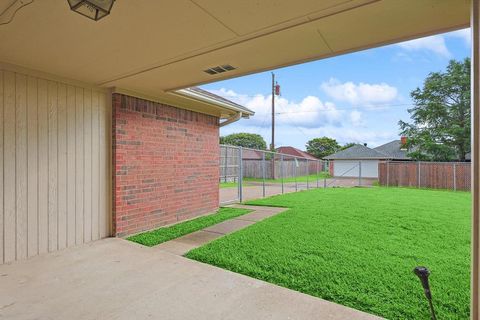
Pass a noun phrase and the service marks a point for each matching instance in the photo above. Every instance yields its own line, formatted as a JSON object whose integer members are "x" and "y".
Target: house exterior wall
{"x": 54, "y": 164}
{"x": 166, "y": 164}
{"x": 350, "y": 168}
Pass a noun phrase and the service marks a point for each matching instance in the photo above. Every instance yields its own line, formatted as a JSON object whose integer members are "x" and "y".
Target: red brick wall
{"x": 165, "y": 164}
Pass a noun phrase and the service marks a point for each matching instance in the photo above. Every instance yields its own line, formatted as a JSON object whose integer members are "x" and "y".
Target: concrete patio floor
{"x": 117, "y": 279}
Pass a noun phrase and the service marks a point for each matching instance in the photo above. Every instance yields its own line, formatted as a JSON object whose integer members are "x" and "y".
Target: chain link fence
{"x": 249, "y": 173}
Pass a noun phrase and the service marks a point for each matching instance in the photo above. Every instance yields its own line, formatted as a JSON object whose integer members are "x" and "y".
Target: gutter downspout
{"x": 232, "y": 119}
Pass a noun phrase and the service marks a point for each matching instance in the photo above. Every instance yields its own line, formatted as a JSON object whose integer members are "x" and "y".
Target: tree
{"x": 347, "y": 145}
{"x": 440, "y": 130}
{"x": 322, "y": 147}
{"x": 247, "y": 140}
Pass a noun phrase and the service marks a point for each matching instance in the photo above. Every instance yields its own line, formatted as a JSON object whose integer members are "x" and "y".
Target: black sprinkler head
{"x": 423, "y": 273}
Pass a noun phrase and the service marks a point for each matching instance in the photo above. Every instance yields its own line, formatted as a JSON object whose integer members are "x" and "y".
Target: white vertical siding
{"x": 9, "y": 185}
{"x": 32, "y": 164}
{"x": 54, "y": 165}
{"x": 21, "y": 220}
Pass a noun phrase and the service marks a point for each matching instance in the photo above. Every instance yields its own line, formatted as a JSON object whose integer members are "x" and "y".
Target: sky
{"x": 357, "y": 97}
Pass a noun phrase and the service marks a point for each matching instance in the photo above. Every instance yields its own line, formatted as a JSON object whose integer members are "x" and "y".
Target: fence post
{"x": 295, "y": 172}
{"x": 308, "y": 173}
{"x": 327, "y": 164}
{"x": 240, "y": 174}
{"x": 317, "y": 172}
{"x": 388, "y": 173}
{"x": 282, "y": 172}
{"x": 263, "y": 172}
{"x": 418, "y": 178}
{"x": 359, "y": 173}
{"x": 454, "y": 176}
{"x": 225, "y": 175}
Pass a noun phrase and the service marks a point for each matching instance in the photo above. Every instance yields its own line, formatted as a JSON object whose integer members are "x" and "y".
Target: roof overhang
{"x": 190, "y": 100}
{"x": 155, "y": 48}
{"x": 190, "y": 93}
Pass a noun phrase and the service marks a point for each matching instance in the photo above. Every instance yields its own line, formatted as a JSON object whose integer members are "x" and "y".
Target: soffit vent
{"x": 219, "y": 69}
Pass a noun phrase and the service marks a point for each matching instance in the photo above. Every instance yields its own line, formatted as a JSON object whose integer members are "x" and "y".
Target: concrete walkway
{"x": 117, "y": 279}
{"x": 182, "y": 245}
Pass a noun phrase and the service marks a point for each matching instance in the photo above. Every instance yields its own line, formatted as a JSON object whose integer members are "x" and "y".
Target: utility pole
{"x": 275, "y": 92}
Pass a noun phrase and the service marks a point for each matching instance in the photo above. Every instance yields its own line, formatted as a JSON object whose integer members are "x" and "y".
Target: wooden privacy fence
{"x": 287, "y": 168}
{"x": 436, "y": 175}
{"x": 261, "y": 163}
{"x": 229, "y": 163}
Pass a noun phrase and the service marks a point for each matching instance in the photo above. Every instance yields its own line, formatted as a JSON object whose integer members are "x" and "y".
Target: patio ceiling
{"x": 151, "y": 47}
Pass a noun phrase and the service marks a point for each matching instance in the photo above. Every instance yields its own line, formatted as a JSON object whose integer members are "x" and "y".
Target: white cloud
{"x": 361, "y": 94}
{"x": 301, "y": 121}
{"x": 463, "y": 34}
{"x": 372, "y": 138}
{"x": 297, "y": 137}
{"x": 356, "y": 118}
{"x": 402, "y": 56}
{"x": 311, "y": 112}
{"x": 435, "y": 44}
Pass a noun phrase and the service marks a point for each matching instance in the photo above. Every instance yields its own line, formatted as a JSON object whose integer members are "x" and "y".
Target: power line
{"x": 263, "y": 126}
{"x": 295, "y": 125}
{"x": 370, "y": 108}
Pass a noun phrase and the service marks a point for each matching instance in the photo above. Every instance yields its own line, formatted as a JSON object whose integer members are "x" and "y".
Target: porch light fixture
{"x": 93, "y": 9}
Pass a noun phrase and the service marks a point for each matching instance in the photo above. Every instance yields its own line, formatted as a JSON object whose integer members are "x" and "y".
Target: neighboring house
{"x": 250, "y": 154}
{"x": 394, "y": 150}
{"x": 362, "y": 159}
{"x": 296, "y": 152}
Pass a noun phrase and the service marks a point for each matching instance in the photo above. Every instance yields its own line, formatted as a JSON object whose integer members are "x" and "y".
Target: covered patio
{"x": 100, "y": 118}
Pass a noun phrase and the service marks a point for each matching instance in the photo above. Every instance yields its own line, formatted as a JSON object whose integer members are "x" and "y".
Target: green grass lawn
{"x": 228, "y": 185}
{"x": 152, "y": 238}
{"x": 311, "y": 178}
{"x": 357, "y": 247}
